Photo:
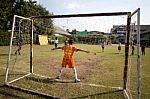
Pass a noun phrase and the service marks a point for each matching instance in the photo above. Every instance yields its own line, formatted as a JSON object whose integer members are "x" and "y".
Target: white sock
{"x": 60, "y": 71}
{"x": 75, "y": 73}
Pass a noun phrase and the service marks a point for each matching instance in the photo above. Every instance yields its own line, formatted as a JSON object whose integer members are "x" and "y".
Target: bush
{"x": 90, "y": 39}
{"x": 4, "y": 38}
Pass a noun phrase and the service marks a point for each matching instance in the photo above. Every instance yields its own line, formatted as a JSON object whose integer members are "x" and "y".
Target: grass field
{"x": 100, "y": 74}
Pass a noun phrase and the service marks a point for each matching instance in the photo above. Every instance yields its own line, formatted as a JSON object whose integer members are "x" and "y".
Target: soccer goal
{"x": 106, "y": 74}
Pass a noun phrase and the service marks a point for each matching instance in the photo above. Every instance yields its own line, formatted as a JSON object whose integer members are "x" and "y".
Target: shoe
{"x": 77, "y": 80}
{"x": 57, "y": 77}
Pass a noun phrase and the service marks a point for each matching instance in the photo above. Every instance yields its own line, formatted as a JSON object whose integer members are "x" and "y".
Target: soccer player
{"x": 68, "y": 60}
{"x": 119, "y": 47}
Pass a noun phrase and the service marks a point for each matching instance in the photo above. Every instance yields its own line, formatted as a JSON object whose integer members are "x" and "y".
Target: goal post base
{"x": 127, "y": 94}
{"x": 31, "y": 91}
{"x": 19, "y": 78}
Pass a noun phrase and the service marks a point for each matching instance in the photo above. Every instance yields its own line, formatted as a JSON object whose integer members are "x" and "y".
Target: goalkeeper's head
{"x": 70, "y": 41}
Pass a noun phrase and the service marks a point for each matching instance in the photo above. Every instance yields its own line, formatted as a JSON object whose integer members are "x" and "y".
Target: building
{"x": 145, "y": 38}
{"x": 144, "y": 35}
{"x": 118, "y": 30}
{"x": 120, "y": 33}
{"x": 60, "y": 31}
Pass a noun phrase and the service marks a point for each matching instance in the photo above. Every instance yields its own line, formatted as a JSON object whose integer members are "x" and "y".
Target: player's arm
{"x": 82, "y": 50}
{"x": 56, "y": 48}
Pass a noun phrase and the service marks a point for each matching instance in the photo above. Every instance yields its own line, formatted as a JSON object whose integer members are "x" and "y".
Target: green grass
{"x": 103, "y": 69}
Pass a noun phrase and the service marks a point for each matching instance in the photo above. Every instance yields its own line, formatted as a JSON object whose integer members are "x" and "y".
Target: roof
{"x": 81, "y": 33}
{"x": 59, "y": 30}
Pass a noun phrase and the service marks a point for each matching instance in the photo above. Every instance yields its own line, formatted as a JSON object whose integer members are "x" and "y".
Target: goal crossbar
{"x": 84, "y": 15}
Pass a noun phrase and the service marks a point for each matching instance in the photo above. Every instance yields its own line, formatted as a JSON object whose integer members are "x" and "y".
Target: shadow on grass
{"x": 3, "y": 54}
{"x": 13, "y": 74}
{"x": 8, "y": 94}
{"x": 100, "y": 52}
{"x": 48, "y": 80}
{"x": 99, "y": 94}
{"x": 115, "y": 53}
{"x": 6, "y": 54}
{"x": 41, "y": 80}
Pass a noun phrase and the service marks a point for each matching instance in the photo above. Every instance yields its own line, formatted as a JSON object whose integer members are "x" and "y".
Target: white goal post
{"x": 11, "y": 40}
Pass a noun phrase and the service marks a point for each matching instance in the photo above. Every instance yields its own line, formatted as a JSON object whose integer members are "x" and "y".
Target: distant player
{"x": 143, "y": 49}
{"x": 19, "y": 44}
{"x": 119, "y": 48}
{"x": 68, "y": 60}
{"x": 56, "y": 42}
{"x": 103, "y": 46}
{"x": 132, "y": 50}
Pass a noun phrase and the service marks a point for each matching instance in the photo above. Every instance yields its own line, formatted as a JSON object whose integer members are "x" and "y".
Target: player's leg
{"x": 60, "y": 72}
{"x": 19, "y": 50}
{"x": 75, "y": 75}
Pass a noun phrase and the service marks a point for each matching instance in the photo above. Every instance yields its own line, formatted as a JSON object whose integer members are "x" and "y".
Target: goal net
{"x": 102, "y": 72}
{"x": 133, "y": 84}
{"x": 19, "y": 50}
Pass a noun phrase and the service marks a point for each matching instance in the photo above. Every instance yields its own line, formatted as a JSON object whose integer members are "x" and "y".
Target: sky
{"x": 58, "y": 7}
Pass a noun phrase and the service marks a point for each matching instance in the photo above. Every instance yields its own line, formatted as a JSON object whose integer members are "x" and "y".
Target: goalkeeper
{"x": 68, "y": 60}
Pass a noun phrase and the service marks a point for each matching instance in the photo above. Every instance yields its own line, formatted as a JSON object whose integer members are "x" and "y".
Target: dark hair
{"x": 66, "y": 42}
{"x": 70, "y": 41}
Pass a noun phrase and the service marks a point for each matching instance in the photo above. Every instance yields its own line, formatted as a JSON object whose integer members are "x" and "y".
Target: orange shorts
{"x": 69, "y": 62}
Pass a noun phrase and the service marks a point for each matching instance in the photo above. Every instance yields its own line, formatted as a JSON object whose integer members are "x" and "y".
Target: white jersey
{"x": 56, "y": 41}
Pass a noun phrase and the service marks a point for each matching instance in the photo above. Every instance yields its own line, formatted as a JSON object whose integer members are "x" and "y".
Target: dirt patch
{"x": 86, "y": 67}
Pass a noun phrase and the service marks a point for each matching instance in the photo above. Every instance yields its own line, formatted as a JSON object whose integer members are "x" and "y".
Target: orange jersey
{"x": 68, "y": 53}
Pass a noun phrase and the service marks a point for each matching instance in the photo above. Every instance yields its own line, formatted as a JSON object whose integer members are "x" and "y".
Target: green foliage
{"x": 4, "y": 38}
{"x": 5, "y": 13}
{"x": 74, "y": 31}
{"x": 43, "y": 26}
{"x": 9, "y": 8}
{"x": 111, "y": 37}
{"x": 62, "y": 39}
{"x": 90, "y": 39}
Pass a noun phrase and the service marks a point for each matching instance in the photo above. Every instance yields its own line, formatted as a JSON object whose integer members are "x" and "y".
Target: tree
{"x": 111, "y": 37}
{"x": 9, "y": 8}
{"x": 6, "y": 14}
{"x": 74, "y": 31}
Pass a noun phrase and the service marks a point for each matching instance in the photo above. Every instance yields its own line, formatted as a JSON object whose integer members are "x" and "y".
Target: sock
{"x": 75, "y": 73}
{"x": 60, "y": 71}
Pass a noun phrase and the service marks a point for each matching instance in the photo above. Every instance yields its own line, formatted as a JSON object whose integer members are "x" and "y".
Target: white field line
{"x": 19, "y": 78}
{"x": 96, "y": 85}
{"x": 86, "y": 84}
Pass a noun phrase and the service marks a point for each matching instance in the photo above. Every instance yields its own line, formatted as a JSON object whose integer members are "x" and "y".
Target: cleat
{"x": 57, "y": 77}
{"x": 77, "y": 80}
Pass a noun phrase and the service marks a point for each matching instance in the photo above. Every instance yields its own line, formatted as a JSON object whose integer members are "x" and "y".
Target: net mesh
{"x": 132, "y": 74}
{"x": 19, "y": 59}
{"x": 101, "y": 74}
